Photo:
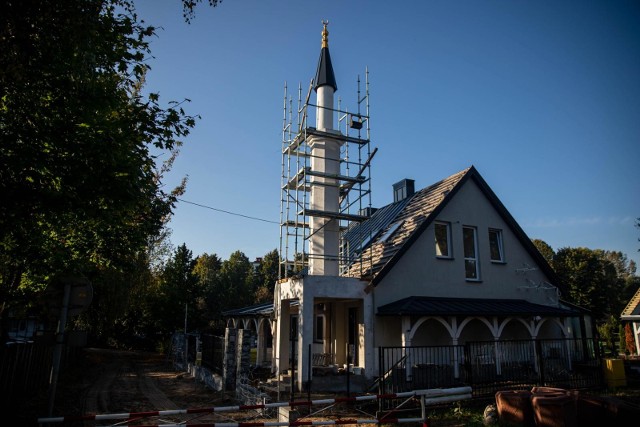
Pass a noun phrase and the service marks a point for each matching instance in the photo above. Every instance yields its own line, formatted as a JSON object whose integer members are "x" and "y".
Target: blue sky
{"x": 542, "y": 97}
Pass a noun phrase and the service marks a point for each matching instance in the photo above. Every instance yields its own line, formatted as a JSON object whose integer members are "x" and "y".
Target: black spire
{"x": 324, "y": 74}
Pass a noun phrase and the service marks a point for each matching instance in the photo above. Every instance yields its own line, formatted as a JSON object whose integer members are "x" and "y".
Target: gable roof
{"x": 415, "y": 217}
{"x": 632, "y": 310}
{"x": 424, "y": 306}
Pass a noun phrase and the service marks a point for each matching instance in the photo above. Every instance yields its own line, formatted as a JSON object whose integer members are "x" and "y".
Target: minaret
{"x": 325, "y": 164}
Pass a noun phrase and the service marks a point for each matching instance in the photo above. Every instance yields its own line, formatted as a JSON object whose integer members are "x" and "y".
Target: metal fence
{"x": 25, "y": 369}
{"x": 489, "y": 366}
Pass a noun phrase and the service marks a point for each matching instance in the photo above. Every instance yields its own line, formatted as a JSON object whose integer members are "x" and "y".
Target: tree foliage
{"x": 237, "y": 281}
{"x": 189, "y": 7}
{"x": 629, "y": 339}
{"x": 267, "y": 276}
{"x": 545, "y": 250}
{"x": 598, "y": 280}
{"x": 177, "y": 292}
{"x": 207, "y": 270}
{"x": 75, "y": 158}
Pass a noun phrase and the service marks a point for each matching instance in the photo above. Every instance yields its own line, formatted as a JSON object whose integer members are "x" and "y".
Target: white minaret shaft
{"x": 324, "y": 110}
{"x": 324, "y": 243}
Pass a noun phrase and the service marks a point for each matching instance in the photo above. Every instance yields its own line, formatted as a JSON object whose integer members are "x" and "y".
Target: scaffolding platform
{"x": 299, "y": 179}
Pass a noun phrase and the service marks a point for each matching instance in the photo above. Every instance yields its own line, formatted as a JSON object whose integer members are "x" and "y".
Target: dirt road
{"x": 113, "y": 381}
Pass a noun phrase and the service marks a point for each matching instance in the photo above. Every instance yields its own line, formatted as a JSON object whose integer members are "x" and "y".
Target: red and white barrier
{"x": 429, "y": 397}
{"x": 292, "y": 423}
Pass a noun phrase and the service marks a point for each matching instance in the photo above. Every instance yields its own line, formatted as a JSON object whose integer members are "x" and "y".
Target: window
{"x": 443, "y": 239}
{"x": 319, "y": 330}
{"x": 495, "y": 245}
{"x": 470, "y": 253}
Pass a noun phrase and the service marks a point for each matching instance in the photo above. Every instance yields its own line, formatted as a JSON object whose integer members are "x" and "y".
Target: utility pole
{"x": 186, "y": 338}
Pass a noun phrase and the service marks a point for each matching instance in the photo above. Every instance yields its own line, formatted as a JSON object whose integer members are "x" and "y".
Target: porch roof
{"x": 264, "y": 309}
{"x": 435, "y": 306}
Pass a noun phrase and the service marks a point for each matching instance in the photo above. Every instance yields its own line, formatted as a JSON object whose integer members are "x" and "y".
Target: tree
{"x": 629, "y": 339}
{"x": 207, "y": 271}
{"x": 189, "y": 6}
{"x": 177, "y": 289}
{"x": 267, "y": 276}
{"x": 237, "y": 281}
{"x": 545, "y": 250}
{"x": 75, "y": 158}
{"x": 592, "y": 280}
{"x": 627, "y": 281}
{"x": 625, "y": 267}
{"x": 606, "y": 330}
{"x": 206, "y": 268}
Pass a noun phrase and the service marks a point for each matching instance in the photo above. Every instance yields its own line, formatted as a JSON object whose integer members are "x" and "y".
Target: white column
{"x": 369, "y": 320}
{"x": 456, "y": 359}
{"x": 567, "y": 331}
{"x": 406, "y": 342}
{"x": 305, "y": 336}
{"x": 260, "y": 350}
{"x": 453, "y": 321}
{"x": 283, "y": 326}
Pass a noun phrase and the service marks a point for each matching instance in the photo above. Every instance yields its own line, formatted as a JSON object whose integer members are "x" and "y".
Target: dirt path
{"x": 112, "y": 381}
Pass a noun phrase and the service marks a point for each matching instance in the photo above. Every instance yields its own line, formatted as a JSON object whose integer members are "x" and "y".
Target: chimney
{"x": 368, "y": 211}
{"x": 403, "y": 189}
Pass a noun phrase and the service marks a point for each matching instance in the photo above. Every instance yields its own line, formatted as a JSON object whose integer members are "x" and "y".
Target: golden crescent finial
{"x": 325, "y": 34}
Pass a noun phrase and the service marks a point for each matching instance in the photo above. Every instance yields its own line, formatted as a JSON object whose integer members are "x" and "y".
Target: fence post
{"x": 423, "y": 407}
{"x": 540, "y": 362}
{"x": 348, "y": 369}
{"x": 380, "y": 376}
{"x": 309, "y": 376}
{"x": 468, "y": 366}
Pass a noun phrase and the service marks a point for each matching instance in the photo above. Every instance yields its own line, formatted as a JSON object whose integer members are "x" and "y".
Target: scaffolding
{"x": 354, "y": 180}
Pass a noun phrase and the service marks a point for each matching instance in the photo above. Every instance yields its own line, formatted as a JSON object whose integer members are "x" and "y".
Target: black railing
{"x": 25, "y": 369}
{"x": 490, "y": 366}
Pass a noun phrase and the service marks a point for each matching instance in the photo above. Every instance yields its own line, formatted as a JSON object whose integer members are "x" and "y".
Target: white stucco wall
{"x": 342, "y": 292}
{"x": 420, "y": 273}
